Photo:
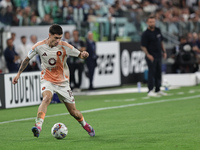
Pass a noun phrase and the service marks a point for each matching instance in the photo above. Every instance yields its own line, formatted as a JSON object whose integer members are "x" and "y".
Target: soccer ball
{"x": 166, "y": 84}
{"x": 59, "y": 131}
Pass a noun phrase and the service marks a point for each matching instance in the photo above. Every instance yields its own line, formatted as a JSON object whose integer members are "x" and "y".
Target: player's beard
{"x": 152, "y": 27}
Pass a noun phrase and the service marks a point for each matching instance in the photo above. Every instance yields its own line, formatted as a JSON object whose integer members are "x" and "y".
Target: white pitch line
{"x": 109, "y": 108}
{"x": 117, "y": 100}
{"x": 180, "y": 93}
{"x": 170, "y": 94}
{"x": 0, "y": 102}
{"x": 145, "y": 97}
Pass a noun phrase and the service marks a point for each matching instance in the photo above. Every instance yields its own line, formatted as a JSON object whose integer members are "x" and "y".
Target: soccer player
{"x": 55, "y": 76}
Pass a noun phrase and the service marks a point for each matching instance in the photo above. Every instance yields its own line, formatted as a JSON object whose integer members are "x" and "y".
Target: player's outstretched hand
{"x": 15, "y": 79}
{"x": 84, "y": 55}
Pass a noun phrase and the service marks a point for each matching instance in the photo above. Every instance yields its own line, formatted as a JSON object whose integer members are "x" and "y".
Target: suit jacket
{"x": 91, "y": 49}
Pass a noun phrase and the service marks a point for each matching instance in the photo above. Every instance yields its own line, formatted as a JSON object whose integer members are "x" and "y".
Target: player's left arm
{"x": 21, "y": 69}
{"x": 83, "y": 55}
{"x": 162, "y": 46}
{"x": 164, "y": 50}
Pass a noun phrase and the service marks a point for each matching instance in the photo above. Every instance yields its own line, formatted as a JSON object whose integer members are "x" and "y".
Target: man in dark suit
{"x": 11, "y": 57}
{"x": 91, "y": 60}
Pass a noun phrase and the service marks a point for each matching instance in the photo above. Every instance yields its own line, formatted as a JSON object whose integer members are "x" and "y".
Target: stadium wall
{"x": 132, "y": 63}
{"x": 2, "y": 92}
{"x": 187, "y": 79}
{"x": 25, "y": 93}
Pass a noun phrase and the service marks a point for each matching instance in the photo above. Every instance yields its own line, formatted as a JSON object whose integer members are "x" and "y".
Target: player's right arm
{"x": 21, "y": 69}
{"x": 150, "y": 57}
{"x": 144, "y": 43}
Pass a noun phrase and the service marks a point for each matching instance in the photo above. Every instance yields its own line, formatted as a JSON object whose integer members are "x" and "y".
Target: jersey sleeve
{"x": 161, "y": 35}
{"x": 32, "y": 52}
{"x": 144, "y": 40}
{"x": 71, "y": 50}
{"x": 74, "y": 52}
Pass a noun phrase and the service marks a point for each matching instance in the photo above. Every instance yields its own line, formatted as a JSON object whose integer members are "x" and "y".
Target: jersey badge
{"x": 59, "y": 53}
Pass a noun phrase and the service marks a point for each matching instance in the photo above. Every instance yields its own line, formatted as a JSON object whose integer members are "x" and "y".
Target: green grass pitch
{"x": 121, "y": 121}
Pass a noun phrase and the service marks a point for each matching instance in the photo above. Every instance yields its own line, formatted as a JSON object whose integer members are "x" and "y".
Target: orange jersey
{"x": 54, "y": 61}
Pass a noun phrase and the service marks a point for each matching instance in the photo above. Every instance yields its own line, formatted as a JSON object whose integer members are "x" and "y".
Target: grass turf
{"x": 159, "y": 125}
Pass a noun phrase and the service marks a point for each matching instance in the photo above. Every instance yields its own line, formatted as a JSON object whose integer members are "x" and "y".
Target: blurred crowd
{"x": 44, "y": 12}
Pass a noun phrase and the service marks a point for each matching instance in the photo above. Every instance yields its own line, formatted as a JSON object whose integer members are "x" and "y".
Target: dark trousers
{"x": 154, "y": 74}
{"x": 73, "y": 67}
{"x": 91, "y": 68}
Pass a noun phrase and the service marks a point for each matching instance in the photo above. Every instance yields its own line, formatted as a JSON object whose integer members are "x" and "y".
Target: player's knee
{"x": 46, "y": 99}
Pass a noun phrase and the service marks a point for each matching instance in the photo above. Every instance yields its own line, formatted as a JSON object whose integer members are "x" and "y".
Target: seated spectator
{"x": 19, "y": 17}
{"x": 13, "y": 36}
{"x": 118, "y": 11}
{"x": 8, "y": 17}
{"x": 66, "y": 36}
{"x": 11, "y": 57}
{"x": 74, "y": 4}
{"x": 35, "y": 61}
{"x": 186, "y": 59}
{"x": 196, "y": 48}
{"x": 27, "y": 15}
{"x": 5, "y": 3}
{"x": 90, "y": 16}
{"x": 69, "y": 19}
{"x": 47, "y": 20}
{"x": 23, "y": 50}
{"x": 35, "y": 20}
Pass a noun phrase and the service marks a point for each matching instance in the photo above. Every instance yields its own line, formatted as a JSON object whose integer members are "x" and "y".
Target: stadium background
{"x": 119, "y": 21}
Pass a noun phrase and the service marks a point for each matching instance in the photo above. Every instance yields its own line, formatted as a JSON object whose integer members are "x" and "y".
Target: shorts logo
{"x": 44, "y": 54}
{"x": 59, "y": 53}
{"x": 43, "y": 88}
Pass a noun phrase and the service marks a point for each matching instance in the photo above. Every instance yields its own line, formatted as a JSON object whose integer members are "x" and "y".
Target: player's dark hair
{"x": 151, "y": 17}
{"x": 8, "y": 40}
{"x": 23, "y": 36}
{"x": 66, "y": 32}
{"x": 56, "y": 29}
{"x": 75, "y": 30}
{"x": 183, "y": 37}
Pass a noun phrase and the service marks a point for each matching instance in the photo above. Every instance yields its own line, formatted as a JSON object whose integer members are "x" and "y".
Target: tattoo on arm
{"x": 24, "y": 64}
{"x": 145, "y": 50}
